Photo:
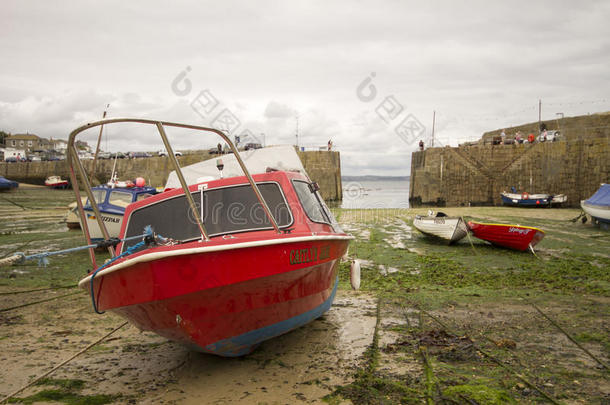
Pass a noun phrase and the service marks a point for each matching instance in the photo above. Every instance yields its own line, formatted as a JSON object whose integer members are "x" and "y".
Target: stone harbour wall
{"x": 477, "y": 174}
{"x": 323, "y": 167}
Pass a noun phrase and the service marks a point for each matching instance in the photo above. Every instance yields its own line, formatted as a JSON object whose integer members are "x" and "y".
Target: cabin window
{"x": 99, "y": 196}
{"x": 120, "y": 198}
{"x": 143, "y": 196}
{"x": 311, "y": 202}
{"x": 225, "y": 210}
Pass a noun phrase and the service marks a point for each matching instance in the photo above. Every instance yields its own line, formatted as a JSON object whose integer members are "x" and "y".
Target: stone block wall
{"x": 476, "y": 175}
{"x": 323, "y": 167}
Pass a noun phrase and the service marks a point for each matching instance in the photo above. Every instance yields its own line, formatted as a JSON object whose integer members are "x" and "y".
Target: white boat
{"x": 451, "y": 229}
{"x": 598, "y": 205}
{"x": 532, "y": 200}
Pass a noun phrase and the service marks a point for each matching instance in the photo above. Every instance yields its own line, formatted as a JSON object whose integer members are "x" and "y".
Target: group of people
{"x": 519, "y": 138}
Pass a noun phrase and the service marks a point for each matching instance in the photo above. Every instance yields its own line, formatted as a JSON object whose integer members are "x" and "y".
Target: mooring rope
{"x": 149, "y": 237}
{"x": 62, "y": 363}
{"x": 38, "y": 302}
{"x": 19, "y": 257}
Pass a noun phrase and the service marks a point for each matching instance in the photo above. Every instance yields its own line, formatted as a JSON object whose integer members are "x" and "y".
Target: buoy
{"x": 354, "y": 274}
{"x": 140, "y": 182}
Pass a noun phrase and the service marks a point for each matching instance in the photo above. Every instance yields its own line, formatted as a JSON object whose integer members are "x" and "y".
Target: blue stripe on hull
{"x": 243, "y": 344}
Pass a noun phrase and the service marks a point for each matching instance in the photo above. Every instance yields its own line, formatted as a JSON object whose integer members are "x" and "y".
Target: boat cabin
{"x": 114, "y": 200}
{"x": 231, "y": 210}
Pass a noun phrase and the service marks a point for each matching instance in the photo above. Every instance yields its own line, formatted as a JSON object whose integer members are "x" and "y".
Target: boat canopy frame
{"x": 76, "y": 166}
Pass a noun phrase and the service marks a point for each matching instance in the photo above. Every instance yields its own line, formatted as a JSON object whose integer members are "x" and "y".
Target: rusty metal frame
{"x": 76, "y": 166}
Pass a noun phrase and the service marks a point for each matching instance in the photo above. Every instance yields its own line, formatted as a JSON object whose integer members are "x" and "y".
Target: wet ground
{"x": 431, "y": 323}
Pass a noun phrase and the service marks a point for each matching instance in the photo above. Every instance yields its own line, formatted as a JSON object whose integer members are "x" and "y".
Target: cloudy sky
{"x": 365, "y": 74}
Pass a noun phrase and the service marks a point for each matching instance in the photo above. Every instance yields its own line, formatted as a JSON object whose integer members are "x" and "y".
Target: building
{"x": 28, "y": 142}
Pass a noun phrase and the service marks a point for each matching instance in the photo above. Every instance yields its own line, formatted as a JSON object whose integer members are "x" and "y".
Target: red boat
{"x": 233, "y": 262}
{"x": 511, "y": 236}
{"x": 56, "y": 182}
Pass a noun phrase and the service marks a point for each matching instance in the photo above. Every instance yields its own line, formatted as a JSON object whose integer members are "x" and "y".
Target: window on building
{"x": 21, "y": 143}
{"x": 30, "y": 143}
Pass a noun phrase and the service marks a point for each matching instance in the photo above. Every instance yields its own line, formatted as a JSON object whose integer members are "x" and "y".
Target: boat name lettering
{"x": 519, "y": 230}
{"x": 439, "y": 220}
{"x": 298, "y": 256}
{"x": 324, "y": 252}
{"x": 105, "y": 219}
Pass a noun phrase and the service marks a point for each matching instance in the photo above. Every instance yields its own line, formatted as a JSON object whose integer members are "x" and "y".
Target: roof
{"x": 26, "y": 137}
{"x": 601, "y": 196}
{"x": 257, "y": 161}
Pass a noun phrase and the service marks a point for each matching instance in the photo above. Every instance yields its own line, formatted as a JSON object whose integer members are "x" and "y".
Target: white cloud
{"x": 479, "y": 65}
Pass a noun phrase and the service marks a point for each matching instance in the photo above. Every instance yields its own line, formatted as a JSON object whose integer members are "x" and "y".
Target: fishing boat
{"x": 56, "y": 182}
{"x": 598, "y": 205}
{"x": 7, "y": 185}
{"x": 516, "y": 237}
{"x": 439, "y": 225}
{"x": 111, "y": 201}
{"x": 233, "y": 260}
{"x": 532, "y": 200}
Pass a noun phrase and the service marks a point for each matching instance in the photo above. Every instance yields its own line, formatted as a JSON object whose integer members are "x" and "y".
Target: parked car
{"x": 11, "y": 159}
{"x": 163, "y": 152}
{"x": 253, "y": 145}
{"x": 104, "y": 155}
{"x": 35, "y": 159}
{"x": 135, "y": 155}
{"x": 551, "y": 136}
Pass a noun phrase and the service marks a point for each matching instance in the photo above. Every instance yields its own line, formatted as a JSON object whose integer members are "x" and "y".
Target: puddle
{"x": 303, "y": 365}
{"x": 387, "y": 270}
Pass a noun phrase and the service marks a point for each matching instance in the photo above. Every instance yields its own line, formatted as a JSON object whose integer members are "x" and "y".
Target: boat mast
{"x": 99, "y": 139}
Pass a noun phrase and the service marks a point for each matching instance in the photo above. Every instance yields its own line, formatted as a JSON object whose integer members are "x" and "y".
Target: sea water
{"x": 375, "y": 193}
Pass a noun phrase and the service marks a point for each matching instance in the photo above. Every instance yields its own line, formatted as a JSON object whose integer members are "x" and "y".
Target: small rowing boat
{"x": 56, "y": 182}
{"x": 439, "y": 225}
{"x": 510, "y": 236}
{"x": 532, "y": 200}
{"x": 7, "y": 185}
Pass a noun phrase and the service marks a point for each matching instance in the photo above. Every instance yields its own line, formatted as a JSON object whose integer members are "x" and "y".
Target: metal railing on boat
{"x": 75, "y": 164}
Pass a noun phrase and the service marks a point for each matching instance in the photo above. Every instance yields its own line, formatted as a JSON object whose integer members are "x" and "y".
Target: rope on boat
{"x": 11, "y": 395}
{"x": 19, "y": 257}
{"x": 149, "y": 237}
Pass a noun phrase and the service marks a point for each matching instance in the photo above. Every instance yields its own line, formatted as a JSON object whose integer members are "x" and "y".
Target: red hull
{"x": 227, "y": 294}
{"x": 211, "y": 300}
{"x": 511, "y": 236}
{"x": 61, "y": 184}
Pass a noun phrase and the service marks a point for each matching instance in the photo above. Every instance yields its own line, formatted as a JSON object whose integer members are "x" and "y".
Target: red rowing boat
{"x": 258, "y": 257}
{"x": 511, "y": 236}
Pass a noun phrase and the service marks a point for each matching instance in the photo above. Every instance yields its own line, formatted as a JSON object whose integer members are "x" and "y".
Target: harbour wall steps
{"x": 476, "y": 174}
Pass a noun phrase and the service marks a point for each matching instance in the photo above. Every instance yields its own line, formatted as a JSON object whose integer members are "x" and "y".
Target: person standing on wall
{"x": 421, "y": 144}
{"x": 330, "y": 145}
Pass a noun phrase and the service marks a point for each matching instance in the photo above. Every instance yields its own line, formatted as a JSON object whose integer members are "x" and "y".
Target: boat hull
{"x": 226, "y": 302}
{"x": 599, "y": 212}
{"x": 510, "y": 236}
{"x": 112, "y": 222}
{"x": 524, "y": 200}
{"x": 60, "y": 185}
{"x": 446, "y": 228}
